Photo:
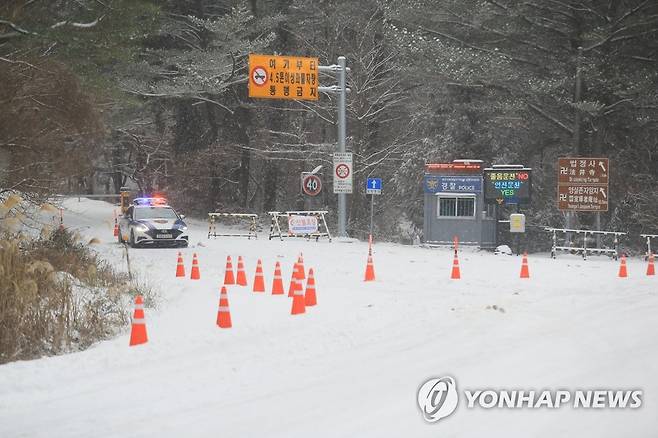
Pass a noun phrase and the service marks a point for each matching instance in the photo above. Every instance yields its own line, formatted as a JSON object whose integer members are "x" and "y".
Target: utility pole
{"x": 576, "y": 99}
{"x": 341, "y": 69}
{"x": 576, "y": 126}
{"x": 342, "y": 101}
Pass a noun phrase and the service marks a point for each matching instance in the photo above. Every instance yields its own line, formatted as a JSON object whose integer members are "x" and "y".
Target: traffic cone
{"x": 223, "y": 313}
{"x": 138, "y": 329}
{"x": 277, "y": 283}
{"x": 228, "y": 273}
{"x": 195, "y": 275}
{"x": 295, "y": 280}
{"x": 241, "y": 279}
{"x": 300, "y": 263}
{"x": 180, "y": 267}
{"x": 525, "y": 272}
{"x": 259, "y": 280}
{"x": 455, "y": 274}
{"x": 651, "y": 270}
{"x": 310, "y": 298}
{"x": 370, "y": 269}
{"x": 298, "y": 301}
{"x": 622, "y": 268}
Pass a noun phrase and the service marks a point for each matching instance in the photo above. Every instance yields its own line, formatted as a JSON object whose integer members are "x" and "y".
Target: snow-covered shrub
{"x": 56, "y": 295}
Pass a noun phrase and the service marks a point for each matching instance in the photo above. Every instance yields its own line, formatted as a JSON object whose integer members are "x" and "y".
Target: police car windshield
{"x": 155, "y": 213}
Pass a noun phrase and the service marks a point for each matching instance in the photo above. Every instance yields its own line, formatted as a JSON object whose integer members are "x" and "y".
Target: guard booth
{"x": 454, "y": 205}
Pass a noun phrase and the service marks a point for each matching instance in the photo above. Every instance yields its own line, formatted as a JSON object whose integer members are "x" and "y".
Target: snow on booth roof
{"x": 457, "y": 166}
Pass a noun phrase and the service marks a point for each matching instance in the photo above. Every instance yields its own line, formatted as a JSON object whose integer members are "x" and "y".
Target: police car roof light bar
{"x": 150, "y": 201}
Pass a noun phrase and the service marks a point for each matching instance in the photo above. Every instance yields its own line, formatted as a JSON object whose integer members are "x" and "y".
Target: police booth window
{"x": 456, "y": 206}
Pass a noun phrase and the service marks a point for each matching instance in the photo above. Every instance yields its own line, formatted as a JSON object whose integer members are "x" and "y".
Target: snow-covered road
{"x": 352, "y": 365}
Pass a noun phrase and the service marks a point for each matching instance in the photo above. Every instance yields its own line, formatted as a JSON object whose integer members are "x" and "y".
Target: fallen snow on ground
{"x": 352, "y": 365}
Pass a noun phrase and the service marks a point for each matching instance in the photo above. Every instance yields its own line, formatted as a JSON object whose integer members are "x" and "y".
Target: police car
{"x": 152, "y": 222}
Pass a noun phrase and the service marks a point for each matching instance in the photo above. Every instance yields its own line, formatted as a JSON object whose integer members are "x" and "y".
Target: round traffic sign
{"x": 342, "y": 171}
{"x": 311, "y": 185}
{"x": 259, "y": 76}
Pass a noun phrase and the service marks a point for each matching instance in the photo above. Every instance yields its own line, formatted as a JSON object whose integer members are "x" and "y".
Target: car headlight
{"x": 141, "y": 227}
{"x": 183, "y": 228}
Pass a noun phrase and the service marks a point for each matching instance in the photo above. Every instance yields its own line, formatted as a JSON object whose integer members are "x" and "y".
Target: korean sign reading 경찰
{"x": 452, "y": 184}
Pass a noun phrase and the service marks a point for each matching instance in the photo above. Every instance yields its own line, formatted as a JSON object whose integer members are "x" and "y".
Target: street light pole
{"x": 341, "y": 89}
{"x": 342, "y": 197}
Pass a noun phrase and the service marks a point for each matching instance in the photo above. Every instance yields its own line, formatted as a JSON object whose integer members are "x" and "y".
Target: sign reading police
{"x": 507, "y": 185}
{"x": 452, "y": 184}
{"x": 283, "y": 77}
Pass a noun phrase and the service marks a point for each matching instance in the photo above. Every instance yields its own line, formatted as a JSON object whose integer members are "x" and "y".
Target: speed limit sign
{"x": 311, "y": 184}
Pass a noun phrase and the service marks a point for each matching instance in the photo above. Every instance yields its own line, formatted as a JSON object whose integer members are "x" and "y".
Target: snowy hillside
{"x": 351, "y": 366}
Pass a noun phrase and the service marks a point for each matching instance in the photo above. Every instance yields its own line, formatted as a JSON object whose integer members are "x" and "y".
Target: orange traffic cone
{"x": 651, "y": 270}
{"x": 455, "y": 274}
{"x": 370, "y": 269}
{"x": 228, "y": 273}
{"x": 259, "y": 280}
{"x": 241, "y": 279}
{"x": 223, "y": 313}
{"x": 195, "y": 275}
{"x": 295, "y": 280}
{"x": 138, "y": 329}
{"x": 180, "y": 267}
{"x": 310, "y": 298}
{"x": 298, "y": 301}
{"x": 622, "y": 268}
{"x": 525, "y": 272}
{"x": 300, "y": 263}
{"x": 277, "y": 283}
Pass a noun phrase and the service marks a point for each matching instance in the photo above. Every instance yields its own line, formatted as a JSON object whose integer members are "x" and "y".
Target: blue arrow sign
{"x": 374, "y": 186}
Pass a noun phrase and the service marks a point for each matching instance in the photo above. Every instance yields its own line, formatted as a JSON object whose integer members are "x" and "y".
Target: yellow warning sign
{"x": 283, "y": 77}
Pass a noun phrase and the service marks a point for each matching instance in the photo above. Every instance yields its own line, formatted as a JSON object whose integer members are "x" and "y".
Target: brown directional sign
{"x": 583, "y": 184}
{"x": 283, "y": 77}
{"x": 583, "y": 171}
{"x": 575, "y": 197}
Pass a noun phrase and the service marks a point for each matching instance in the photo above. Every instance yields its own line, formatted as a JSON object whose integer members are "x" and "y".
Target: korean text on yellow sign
{"x": 283, "y": 77}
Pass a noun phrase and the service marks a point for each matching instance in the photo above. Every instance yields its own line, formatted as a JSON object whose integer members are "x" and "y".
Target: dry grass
{"x": 56, "y": 296}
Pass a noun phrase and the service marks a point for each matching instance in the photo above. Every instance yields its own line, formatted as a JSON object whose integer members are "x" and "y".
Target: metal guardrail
{"x": 584, "y": 249}
{"x": 212, "y": 227}
{"x": 649, "y": 237}
{"x": 80, "y": 196}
